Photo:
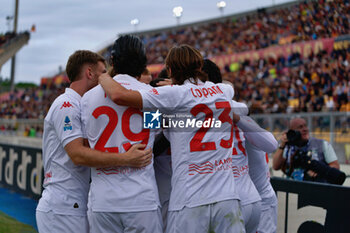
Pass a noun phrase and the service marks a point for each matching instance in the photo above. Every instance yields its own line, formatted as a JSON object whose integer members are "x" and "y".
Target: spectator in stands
{"x": 299, "y": 22}
{"x": 321, "y": 151}
{"x": 285, "y": 84}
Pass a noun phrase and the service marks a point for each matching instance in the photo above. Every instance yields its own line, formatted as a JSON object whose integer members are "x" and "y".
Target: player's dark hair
{"x": 212, "y": 70}
{"x": 163, "y": 74}
{"x": 185, "y": 62}
{"x": 78, "y": 59}
{"x": 128, "y": 56}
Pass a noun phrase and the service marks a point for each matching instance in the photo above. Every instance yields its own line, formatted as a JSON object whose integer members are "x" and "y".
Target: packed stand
{"x": 31, "y": 103}
{"x": 301, "y": 22}
{"x": 320, "y": 82}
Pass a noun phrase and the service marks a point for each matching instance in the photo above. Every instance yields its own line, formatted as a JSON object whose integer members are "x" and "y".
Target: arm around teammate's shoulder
{"x": 118, "y": 94}
{"x": 259, "y": 137}
{"x": 84, "y": 156}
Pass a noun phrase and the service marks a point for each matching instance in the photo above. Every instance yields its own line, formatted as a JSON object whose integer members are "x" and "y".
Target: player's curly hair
{"x": 128, "y": 56}
{"x": 184, "y": 62}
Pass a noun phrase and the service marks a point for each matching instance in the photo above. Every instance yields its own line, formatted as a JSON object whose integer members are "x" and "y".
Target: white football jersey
{"x": 240, "y": 167}
{"x": 259, "y": 171}
{"x": 201, "y": 154}
{"x": 246, "y": 189}
{"x": 114, "y": 128}
{"x": 66, "y": 185}
{"x": 258, "y": 142}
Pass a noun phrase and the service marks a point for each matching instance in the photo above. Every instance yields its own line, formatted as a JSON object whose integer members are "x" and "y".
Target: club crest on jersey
{"x": 151, "y": 120}
{"x": 67, "y": 124}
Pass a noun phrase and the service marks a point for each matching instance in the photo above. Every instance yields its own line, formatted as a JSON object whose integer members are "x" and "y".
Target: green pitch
{"x": 11, "y": 225}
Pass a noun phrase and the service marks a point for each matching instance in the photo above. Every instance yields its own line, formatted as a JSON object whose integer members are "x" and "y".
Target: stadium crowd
{"x": 317, "y": 83}
{"x": 302, "y": 22}
{"x": 287, "y": 84}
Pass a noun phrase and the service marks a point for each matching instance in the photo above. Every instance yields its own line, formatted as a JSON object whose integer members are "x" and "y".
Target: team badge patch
{"x": 67, "y": 124}
{"x": 151, "y": 120}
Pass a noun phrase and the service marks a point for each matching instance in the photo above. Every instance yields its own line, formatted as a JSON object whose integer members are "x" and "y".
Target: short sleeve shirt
{"x": 66, "y": 184}
{"x": 202, "y": 167}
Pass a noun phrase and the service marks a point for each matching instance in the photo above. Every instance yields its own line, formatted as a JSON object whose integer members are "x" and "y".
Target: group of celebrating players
{"x": 101, "y": 175}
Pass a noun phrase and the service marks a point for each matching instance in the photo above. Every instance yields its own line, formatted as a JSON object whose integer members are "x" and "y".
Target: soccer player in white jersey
{"x": 258, "y": 142}
{"x": 63, "y": 205}
{"x": 249, "y": 196}
{"x": 122, "y": 199}
{"x": 260, "y": 175}
{"x": 203, "y": 197}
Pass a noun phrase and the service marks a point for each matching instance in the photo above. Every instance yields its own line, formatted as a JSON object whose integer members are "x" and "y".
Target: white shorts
{"x": 223, "y": 217}
{"x": 251, "y": 215}
{"x": 268, "y": 220}
{"x": 57, "y": 223}
{"x": 132, "y": 222}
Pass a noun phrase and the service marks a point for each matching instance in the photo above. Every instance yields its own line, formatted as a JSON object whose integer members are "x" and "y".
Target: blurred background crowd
{"x": 286, "y": 83}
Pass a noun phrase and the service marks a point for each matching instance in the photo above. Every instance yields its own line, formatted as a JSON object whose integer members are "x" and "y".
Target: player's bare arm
{"x": 334, "y": 164}
{"x": 118, "y": 94}
{"x": 165, "y": 82}
{"x": 82, "y": 155}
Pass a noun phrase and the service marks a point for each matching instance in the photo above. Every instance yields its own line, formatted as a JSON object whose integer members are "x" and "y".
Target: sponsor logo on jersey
{"x": 210, "y": 167}
{"x": 239, "y": 171}
{"x": 67, "y": 124}
{"x": 66, "y": 105}
{"x": 118, "y": 170}
{"x": 151, "y": 120}
{"x": 204, "y": 168}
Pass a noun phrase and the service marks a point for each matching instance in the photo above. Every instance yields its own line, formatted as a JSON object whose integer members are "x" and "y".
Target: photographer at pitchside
{"x": 302, "y": 157}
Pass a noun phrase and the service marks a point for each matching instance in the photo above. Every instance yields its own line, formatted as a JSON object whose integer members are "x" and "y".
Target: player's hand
{"x": 137, "y": 157}
{"x": 103, "y": 76}
{"x": 165, "y": 82}
{"x": 236, "y": 118}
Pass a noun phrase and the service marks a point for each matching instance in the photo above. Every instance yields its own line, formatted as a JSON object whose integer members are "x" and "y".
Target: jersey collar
{"x": 72, "y": 93}
{"x": 192, "y": 81}
{"x": 124, "y": 77}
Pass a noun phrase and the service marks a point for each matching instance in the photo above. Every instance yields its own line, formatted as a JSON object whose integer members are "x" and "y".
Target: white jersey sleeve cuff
{"x": 256, "y": 135}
